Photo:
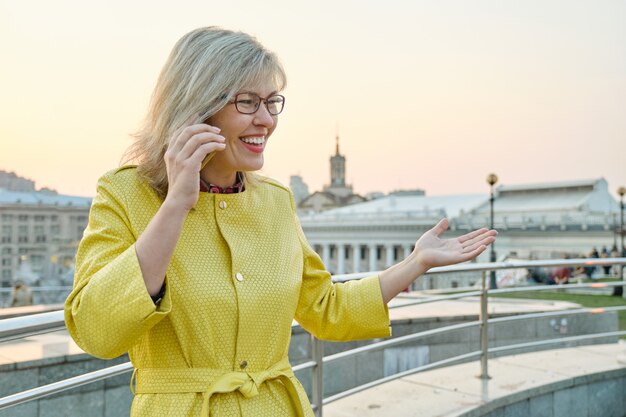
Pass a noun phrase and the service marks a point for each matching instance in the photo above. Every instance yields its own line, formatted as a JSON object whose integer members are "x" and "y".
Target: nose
{"x": 262, "y": 117}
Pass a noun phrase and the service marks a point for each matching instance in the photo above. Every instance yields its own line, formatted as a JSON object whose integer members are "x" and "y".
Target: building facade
{"x": 534, "y": 221}
{"x": 39, "y": 235}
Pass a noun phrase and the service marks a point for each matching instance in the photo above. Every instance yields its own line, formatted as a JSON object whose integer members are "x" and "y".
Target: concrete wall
{"x": 359, "y": 369}
{"x": 592, "y": 395}
{"x": 109, "y": 398}
{"x": 113, "y": 397}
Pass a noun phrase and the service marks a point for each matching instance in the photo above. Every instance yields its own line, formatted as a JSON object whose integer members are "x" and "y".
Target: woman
{"x": 196, "y": 266}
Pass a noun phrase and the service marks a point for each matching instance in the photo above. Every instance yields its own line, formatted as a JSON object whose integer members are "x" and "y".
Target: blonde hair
{"x": 206, "y": 68}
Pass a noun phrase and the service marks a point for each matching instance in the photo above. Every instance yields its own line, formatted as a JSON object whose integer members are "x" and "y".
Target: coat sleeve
{"x": 346, "y": 311}
{"x": 109, "y": 308}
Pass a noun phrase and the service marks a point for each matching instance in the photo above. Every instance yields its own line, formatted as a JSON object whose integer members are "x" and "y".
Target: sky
{"x": 423, "y": 94}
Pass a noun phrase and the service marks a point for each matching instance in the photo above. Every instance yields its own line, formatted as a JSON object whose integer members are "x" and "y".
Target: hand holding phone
{"x": 206, "y": 160}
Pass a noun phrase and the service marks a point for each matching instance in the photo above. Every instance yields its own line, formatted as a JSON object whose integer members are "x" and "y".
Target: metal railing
{"x": 11, "y": 329}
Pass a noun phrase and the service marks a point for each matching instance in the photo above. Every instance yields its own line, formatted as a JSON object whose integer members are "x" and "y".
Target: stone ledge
{"x": 518, "y": 384}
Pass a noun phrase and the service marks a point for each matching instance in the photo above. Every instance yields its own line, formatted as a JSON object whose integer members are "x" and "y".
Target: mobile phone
{"x": 206, "y": 160}
{"x": 203, "y": 119}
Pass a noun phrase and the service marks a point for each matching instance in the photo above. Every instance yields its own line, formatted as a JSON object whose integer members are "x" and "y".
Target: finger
{"x": 441, "y": 227}
{"x": 180, "y": 138}
{"x": 483, "y": 242}
{"x": 473, "y": 254}
{"x": 204, "y": 150}
{"x": 471, "y": 235}
{"x": 478, "y": 238}
{"x": 197, "y": 141}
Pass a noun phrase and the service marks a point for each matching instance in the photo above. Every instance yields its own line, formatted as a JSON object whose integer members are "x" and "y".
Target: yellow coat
{"x": 217, "y": 343}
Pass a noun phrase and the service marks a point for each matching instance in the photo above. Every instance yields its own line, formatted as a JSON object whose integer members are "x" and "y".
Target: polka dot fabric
{"x": 241, "y": 272}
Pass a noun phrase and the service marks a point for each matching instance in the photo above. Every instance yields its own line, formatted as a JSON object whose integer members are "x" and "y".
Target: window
{"x": 22, "y": 234}
{"x": 54, "y": 218}
{"x": 7, "y": 251}
{"x": 6, "y": 275}
{"x": 39, "y": 234}
{"x": 7, "y": 231}
{"x": 36, "y": 260}
{"x": 39, "y": 218}
{"x": 22, "y": 217}
{"x": 6, "y": 262}
{"x": 379, "y": 252}
{"x": 7, "y": 217}
{"x": 55, "y": 230}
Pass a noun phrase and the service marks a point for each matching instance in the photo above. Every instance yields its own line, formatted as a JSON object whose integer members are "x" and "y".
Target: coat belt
{"x": 213, "y": 381}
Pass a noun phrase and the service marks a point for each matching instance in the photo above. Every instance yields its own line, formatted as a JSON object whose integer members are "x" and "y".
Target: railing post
{"x": 317, "y": 354}
{"x": 484, "y": 331}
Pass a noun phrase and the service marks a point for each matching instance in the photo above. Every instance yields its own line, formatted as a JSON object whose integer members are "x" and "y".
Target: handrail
{"x": 31, "y": 327}
{"x": 492, "y": 266}
{"x": 67, "y": 288}
{"x": 60, "y": 386}
{"x": 23, "y": 326}
{"x": 14, "y": 328}
{"x": 439, "y": 330}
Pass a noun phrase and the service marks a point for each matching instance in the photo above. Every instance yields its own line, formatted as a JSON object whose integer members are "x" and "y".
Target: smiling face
{"x": 246, "y": 137}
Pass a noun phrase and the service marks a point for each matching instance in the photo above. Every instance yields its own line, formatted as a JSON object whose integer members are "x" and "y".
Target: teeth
{"x": 254, "y": 140}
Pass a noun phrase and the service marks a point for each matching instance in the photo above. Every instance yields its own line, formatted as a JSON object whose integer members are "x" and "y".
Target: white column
{"x": 407, "y": 251}
{"x": 389, "y": 256}
{"x": 326, "y": 255}
{"x": 356, "y": 258}
{"x": 373, "y": 261}
{"x": 341, "y": 258}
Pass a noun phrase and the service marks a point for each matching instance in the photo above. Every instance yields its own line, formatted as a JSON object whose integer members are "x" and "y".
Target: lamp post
{"x": 492, "y": 179}
{"x": 621, "y": 191}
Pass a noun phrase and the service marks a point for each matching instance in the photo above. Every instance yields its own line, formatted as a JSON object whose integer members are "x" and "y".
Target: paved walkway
{"x": 451, "y": 391}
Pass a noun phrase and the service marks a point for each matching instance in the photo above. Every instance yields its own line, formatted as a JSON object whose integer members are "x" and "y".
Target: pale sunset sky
{"x": 425, "y": 94}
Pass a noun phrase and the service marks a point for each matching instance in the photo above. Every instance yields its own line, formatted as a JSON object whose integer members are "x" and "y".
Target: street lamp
{"x": 492, "y": 179}
{"x": 621, "y": 191}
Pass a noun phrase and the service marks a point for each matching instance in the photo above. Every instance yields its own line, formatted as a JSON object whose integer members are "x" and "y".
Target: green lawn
{"x": 582, "y": 299}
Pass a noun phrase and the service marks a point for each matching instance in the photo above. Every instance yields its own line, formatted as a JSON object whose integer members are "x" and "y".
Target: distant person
{"x": 590, "y": 269}
{"x": 196, "y": 265}
{"x": 21, "y": 295}
{"x": 604, "y": 253}
{"x": 615, "y": 254}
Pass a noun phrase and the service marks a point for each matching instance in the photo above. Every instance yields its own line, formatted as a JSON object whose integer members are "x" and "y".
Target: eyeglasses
{"x": 249, "y": 103}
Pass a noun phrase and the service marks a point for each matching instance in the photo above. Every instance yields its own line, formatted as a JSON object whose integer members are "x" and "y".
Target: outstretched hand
{"x": 431, "y": 250}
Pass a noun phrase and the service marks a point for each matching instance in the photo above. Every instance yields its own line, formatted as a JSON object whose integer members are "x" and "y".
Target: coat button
{"x": 223, "y": 205}
{"x": 239, "y": 276}
{"x": 243, "y": 364}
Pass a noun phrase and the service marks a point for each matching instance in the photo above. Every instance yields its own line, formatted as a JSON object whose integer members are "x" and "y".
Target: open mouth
{"x": 254, "y": 143}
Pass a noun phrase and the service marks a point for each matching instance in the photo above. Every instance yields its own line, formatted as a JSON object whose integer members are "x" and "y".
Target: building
{"x": 12, "y": 182}
{"x": 39, "y": 234}
{"x": 534, "y": 221}
{"x": 299, "y": 188}
{"x": 335, "y": 194}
